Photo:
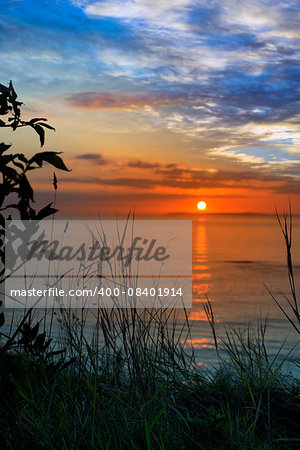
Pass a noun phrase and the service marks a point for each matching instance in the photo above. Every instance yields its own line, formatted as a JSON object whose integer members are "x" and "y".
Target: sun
{"x": 201, "y": 205}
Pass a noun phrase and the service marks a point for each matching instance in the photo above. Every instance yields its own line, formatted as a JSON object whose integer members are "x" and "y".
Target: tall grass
{"x": 133, "y": 385}
{"x": 289, "y": 305}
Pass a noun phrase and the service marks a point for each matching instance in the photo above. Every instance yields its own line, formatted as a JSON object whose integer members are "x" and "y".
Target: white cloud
{"x": 160, "y": 13}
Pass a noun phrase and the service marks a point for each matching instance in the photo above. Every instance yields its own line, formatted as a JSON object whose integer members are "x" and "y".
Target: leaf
{"x": 18, "y": 165}
{"x": 40, "y": 341}
{"x": 14, "y": 125}
{"x": 51, "y": 158}
{"x": 37, "y": 119}
{"x": 45, "y": 212}
{"x": 4, "y": 147}
{"x": 25, "y": 190}
{"x": 41, "y": 132}
{"x": 2, "y": 319}
{"x": 32, "y": 214}
{"x": 2, "y": 220}
{"x": 28, "y": 333}
{"x": 10, "y": 172}
{"x": 12, "y": 91}
{"x": 4, "y": 89}
{"x": 5, "y": 159}
{"x": 22, "y": 158}
{"x": 4, "y": 107}
{"x": 46, "y": 126}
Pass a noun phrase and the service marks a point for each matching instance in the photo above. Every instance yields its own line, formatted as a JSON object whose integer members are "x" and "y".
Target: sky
{"x": 160, "y": 104}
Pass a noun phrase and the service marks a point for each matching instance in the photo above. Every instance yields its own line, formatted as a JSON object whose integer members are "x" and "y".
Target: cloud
{"x": 154, "y": 12}
{"x": 95, "y": 158}
{"x": 182, "y": 178}
{"x": 222, "y": 74}
{"x": 119, "y": 100}
{"x": 140, "y": 183}
{"x": 143, "y": 164}
{"x": 150, "y": 165}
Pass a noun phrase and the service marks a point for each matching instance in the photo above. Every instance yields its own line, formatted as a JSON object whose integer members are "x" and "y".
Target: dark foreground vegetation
{"x": 133, "y": 385}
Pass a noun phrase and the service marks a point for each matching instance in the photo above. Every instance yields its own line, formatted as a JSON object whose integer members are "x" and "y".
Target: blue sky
{"x": 219, "y": 77}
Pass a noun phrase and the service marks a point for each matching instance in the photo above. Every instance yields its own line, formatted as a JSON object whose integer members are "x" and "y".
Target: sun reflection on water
{"x": 201, "y": 271}
{"x": 198, "y": 343}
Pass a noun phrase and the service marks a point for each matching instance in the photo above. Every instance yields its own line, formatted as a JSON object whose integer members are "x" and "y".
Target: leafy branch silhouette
{"x": 14, "y": 169}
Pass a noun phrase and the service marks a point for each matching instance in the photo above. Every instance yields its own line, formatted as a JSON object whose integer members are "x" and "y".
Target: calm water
{"x": 234, "y": 259}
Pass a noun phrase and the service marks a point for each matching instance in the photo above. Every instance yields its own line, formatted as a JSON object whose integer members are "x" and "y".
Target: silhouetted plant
{"x": 289, "y": 305}
{"x": 14, "y": 168}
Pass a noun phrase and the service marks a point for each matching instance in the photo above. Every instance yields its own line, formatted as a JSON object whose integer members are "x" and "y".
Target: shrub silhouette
{"x": 14, "y": 169}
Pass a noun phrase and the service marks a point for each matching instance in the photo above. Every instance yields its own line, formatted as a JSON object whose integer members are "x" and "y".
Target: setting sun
{"x": 201, "y": 205}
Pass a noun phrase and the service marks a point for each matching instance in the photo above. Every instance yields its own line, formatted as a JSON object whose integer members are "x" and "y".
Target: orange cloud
{"x": 118, "y": 100}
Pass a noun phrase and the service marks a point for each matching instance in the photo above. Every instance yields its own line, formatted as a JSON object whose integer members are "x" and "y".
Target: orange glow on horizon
{"x": 89, "y": 197}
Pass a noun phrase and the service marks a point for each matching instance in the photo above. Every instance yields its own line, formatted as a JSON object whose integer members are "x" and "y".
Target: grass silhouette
{"x": 134, "y": 385}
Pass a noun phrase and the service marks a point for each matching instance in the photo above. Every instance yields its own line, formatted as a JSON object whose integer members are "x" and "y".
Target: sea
{"x": 239, "y": 266}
